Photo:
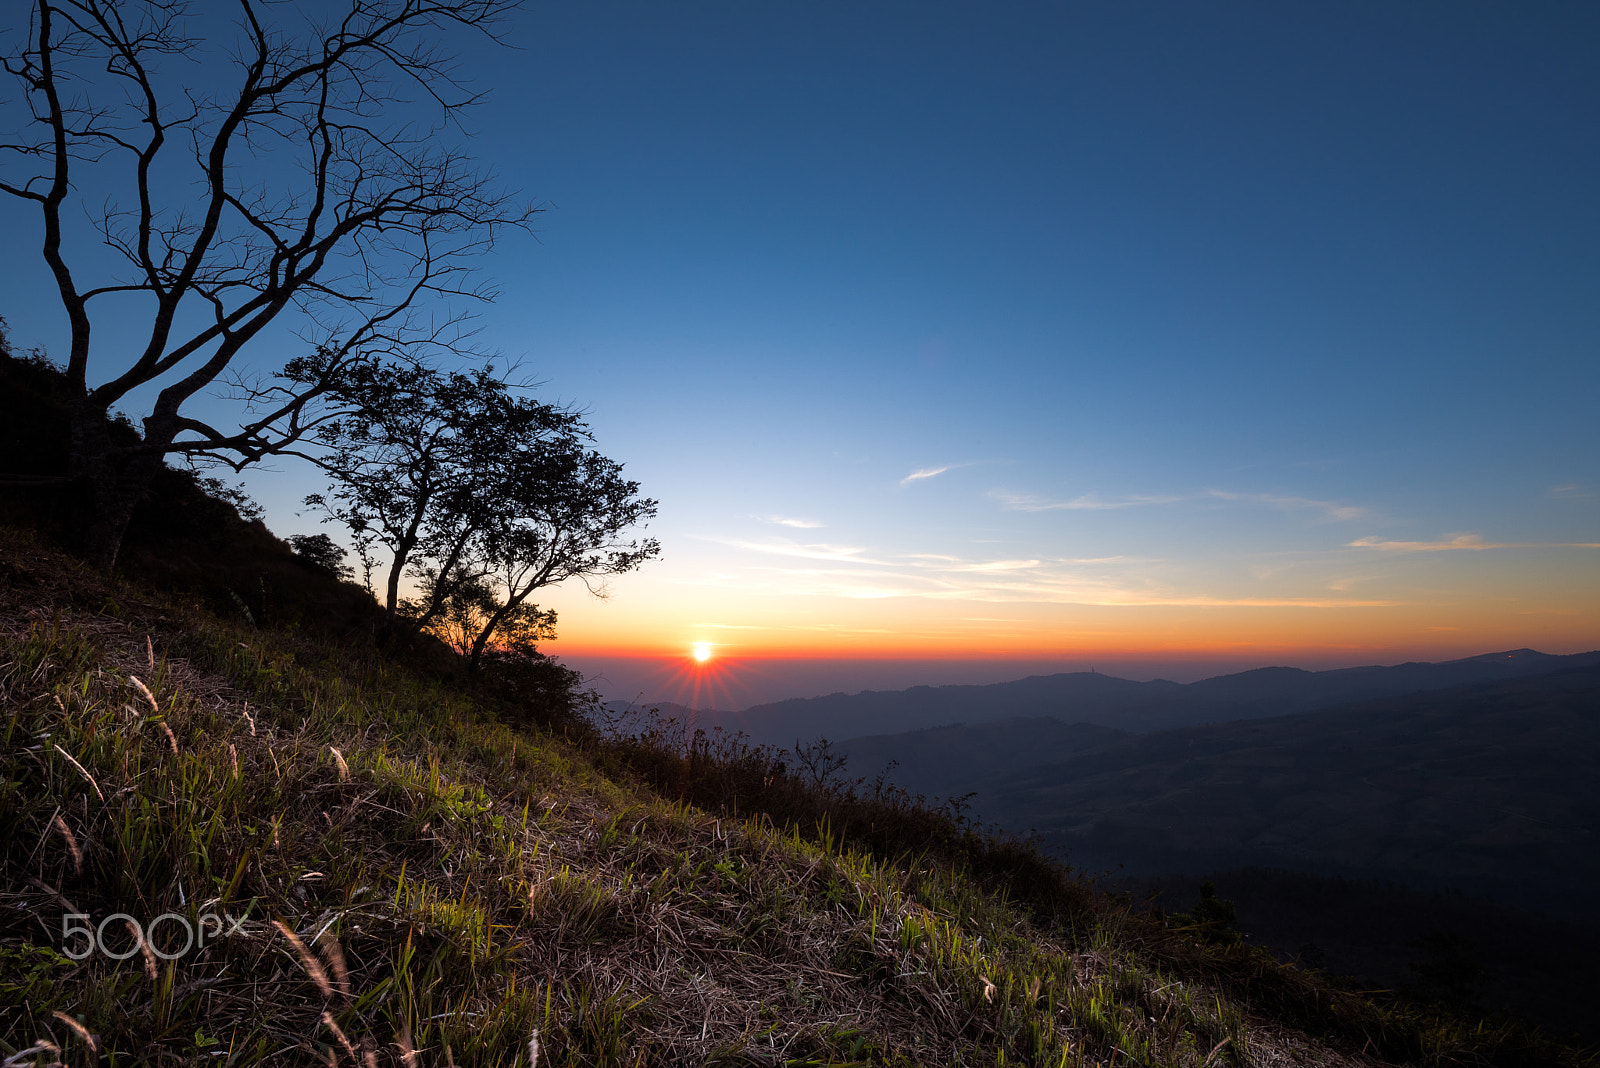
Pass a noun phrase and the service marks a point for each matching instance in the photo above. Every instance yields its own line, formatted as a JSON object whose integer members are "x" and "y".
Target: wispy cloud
{"x": 941, "y": 562}
{"x": 786, "y": 521}
{"x": 1112, "y": 582}
{"x": 923, "y": 473}
{"x": 1092, "y": 502}
{"x": 1027, "y": 502}
{"x": 785, "y": 566}
{"x": 845, "y": 554}
{"x": 1462, "y": 543}
{"x": 993, "y": 565}
{"x": 1253, "y": 602}
{"x": 1570, "y": 491}
{"x": 1330, "y": 509}
{"x": 839, "y": 628}
{"x": 780, "y": 628}
{"x": 854, "y": 584}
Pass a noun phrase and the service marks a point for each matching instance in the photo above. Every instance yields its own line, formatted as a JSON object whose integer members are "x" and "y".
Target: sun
{"x": 702, "y": 651}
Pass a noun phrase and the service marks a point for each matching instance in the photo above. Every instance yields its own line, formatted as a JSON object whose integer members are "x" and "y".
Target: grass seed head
{"x": 142, "y": 688}
{"x": 16, "y": 1059}
{"x": 81, "y": 1031}
{"x": 81, "y": 770}
{"x": 67, "y": 836}
{"x": 151, "y": 971}
{"x": 408, "y": 1054}
{"x": 333, "y": 953}
{"x": 328, "y": 1021}
{"x": 307, "y": 960}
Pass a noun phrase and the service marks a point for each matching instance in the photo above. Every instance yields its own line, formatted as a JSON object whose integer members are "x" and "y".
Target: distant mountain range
{"x": 1136, "y": 707}
{"x": 1492, "y": 788}
{"x": 1481, "y": 774}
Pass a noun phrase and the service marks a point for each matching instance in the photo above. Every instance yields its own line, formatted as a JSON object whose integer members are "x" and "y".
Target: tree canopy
{"x": 480, "y": 493}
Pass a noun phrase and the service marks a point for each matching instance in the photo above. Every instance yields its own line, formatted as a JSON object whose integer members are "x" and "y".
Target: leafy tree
{"x": 286, "y": 174}
{"x": 322, "y": 553}
{"x": 482, "y": 494}
{"x": 403, "y": 462}
{"x": 468, "y": 609}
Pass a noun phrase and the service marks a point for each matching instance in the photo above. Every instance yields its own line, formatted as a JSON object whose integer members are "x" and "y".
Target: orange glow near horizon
{"x": 1271, "y": 635}
{"x": 1549, "y": 608}
{"x": 704, "y": 683}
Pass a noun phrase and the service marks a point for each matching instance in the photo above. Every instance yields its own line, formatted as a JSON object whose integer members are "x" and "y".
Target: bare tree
{"x": 308, "y": 179}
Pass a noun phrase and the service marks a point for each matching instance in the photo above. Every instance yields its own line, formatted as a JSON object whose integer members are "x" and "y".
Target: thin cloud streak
{"x": 847, "y": 554}
{"x": 1087, "y": 593}
{"x": 1462, "y": 543}
{"x": 1090, "y": 502}
{"x": 1023, "y": 581}
{"x": 995, "y": 565}
{"x": 1027, "y": 502}
{"x": 1328, "y": 508}
{"x": 928, "y": 472}
{"x": 785, "y": 521}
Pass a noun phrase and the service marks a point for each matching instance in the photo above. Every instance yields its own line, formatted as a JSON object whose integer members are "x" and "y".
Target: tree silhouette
{"x": 302, "y": 181}
{"x": 482, "y": 494}
{"x": 322, "y": 553}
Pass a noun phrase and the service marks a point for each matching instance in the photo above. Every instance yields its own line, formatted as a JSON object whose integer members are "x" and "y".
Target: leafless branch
{"x": 315, "y": 185}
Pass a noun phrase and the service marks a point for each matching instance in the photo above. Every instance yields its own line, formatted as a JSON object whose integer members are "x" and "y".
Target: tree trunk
{"x": 108, "y": 482}
{"x": 491, "y": 625}
{"x": 482, "y": 639}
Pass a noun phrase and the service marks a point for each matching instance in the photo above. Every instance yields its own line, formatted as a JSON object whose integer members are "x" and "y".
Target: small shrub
{"x": 1211, "y": 920}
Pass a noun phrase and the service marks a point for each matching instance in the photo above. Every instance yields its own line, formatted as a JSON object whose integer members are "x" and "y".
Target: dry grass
{"x": 404, "y": 880}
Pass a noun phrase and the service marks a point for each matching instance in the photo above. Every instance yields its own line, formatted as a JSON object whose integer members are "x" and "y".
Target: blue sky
{"x": 1238, "y": 331}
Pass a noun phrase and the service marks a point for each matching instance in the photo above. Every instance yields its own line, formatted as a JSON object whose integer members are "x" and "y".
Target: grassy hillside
{"x": 400, "y": 877}
{"x": 1467, "y": 950}
{"x": 185, "y": 536}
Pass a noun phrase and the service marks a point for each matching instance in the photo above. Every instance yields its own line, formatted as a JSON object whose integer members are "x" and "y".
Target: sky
{"x": 960, "y": 343}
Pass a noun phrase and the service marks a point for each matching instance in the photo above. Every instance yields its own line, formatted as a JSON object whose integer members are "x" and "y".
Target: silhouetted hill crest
{"x": 1092, "y": 697}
